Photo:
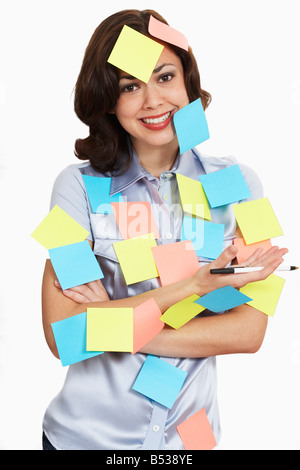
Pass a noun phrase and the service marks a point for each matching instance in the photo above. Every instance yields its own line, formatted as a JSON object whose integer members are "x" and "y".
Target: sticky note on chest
{"x": 135, "y": 54}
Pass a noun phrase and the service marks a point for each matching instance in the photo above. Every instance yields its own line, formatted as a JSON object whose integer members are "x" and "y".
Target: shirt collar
{"x": 185, "y": 165}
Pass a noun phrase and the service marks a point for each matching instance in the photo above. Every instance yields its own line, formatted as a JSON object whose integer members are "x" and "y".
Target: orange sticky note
{"x": 245, "y": 251}
{"x": 196, "y": 432}
{"x": 166, "y": 33}
{"x": 175, "y": 261}
{"x": 135, "y": 219}
{"x": 146, "y": 323}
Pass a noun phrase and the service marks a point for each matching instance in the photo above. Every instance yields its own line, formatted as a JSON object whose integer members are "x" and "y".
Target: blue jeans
{"x": 46, "y": 444}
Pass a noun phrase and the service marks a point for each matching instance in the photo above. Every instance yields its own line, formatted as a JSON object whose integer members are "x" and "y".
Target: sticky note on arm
{"x": 265, "y": 294}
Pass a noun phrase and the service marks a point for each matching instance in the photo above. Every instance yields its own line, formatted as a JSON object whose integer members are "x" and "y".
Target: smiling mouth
{"x": 157, "y": 120}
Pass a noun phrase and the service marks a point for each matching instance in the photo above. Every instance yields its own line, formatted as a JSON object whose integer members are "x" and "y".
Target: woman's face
{"x": 145, "y": 110}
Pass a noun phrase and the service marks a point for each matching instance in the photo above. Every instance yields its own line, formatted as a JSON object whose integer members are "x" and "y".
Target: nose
{"x": 153, "y": 98}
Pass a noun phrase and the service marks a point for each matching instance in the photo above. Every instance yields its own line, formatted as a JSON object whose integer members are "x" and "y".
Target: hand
{"x": 207, "y": 282}
{"x": 85, "y": 293}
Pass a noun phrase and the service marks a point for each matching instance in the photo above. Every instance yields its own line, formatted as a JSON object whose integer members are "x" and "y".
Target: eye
{"x": 129, "y": 88}
{"x": 166, "y": 77}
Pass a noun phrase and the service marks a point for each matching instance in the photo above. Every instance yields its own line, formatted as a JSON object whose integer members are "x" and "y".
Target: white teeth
{"x": 157, "y": 120}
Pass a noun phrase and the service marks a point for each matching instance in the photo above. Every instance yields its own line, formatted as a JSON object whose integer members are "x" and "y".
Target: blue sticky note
{"x": 222, "y": 299}
{"x": 191, "y": 126}
{"x": 98, "y": 190}
{"x": 207, "y": 237}
{"x": 70, "y": 338}
{"x": 225, "y": 186}
{"x": 159, "y": 381}
{"x": 75, "y": 264}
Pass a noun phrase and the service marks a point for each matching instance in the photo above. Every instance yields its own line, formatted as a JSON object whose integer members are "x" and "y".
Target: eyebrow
{"x": 157, "y": 70}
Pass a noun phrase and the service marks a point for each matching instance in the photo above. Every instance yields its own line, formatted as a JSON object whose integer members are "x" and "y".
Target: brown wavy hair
{"x": 97, "y": 91}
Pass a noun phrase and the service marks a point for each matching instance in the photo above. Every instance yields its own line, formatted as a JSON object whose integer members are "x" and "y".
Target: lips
{"x": 156, "y": 123}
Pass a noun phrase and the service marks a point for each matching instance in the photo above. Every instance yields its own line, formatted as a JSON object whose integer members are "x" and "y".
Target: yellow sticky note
{"x": 193, "y": 197}
{"x": 265, "y": 294}
{"x": 59, "y": 229}
{"x": 182, "y": 312}
{"x": 257, "y": 220}
{"x": 136, "y": 258}
{"x": 135, "y": 54}
{"x": 109, "y": 329}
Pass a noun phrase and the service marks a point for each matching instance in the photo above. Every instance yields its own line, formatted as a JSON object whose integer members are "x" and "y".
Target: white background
{"x": 248, "y": 56}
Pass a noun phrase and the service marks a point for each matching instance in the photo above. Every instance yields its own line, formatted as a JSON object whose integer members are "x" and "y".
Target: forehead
{"x": 167, "y": 57}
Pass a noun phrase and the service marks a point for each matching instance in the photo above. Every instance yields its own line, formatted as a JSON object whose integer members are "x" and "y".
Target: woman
{"x": 132, "y": 140}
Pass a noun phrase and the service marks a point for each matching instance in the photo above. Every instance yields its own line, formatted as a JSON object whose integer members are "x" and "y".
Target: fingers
{"x": 85, "y": 293}
{"x": 225, "y": 257}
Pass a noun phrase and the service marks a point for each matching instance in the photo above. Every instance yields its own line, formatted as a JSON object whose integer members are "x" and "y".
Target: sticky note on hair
{"x": 265, "y": 294}
{"x": 207, "y": 237}
{"x": 196, "y": 432}
{"x": 58, "y": 229}
{"x": 245, "y": 251}
{"x": 109, "y": 329}
{"x": 135, "y": 54}
{"x": 191, "y": 126}
{"x": 98, "y": 191}
{"x": 136, "y": 259}
{"x": 166, "y": 33}
{"x": 257, "y": 220}
{"x": 159, "y": 381}
{"x": 70, "y": 339}
{"x": 182, "y": 312}
{"x": 175, "y": 261}
{"x": 192, "y": 196}
{"x": 223, "y": 299}
{"x": 75, "y": 264}
{"x": 225, "y": 186}
{"x": 146, "y": 323}
{"x": 135, "y": 219}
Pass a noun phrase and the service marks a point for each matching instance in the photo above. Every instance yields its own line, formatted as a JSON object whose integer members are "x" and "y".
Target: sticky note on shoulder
{"x": 160, "y": 381}
{"x": 257, "y": 220}
{"x": 59, "y": 229}
{"x": 135, "y": 54}
{"x": 98, "y": 191}
{"x": 191, "y": 126}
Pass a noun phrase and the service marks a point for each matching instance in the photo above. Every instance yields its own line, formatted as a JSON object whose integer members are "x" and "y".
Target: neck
{"x": 156, "y": 160}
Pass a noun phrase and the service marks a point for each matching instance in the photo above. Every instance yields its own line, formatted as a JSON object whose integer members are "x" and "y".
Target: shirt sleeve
{"x": 253, "y": 182}
{"x": 70, "y": 195}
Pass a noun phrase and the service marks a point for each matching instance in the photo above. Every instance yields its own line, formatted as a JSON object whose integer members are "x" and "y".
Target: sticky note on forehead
{"x": 135, "y": 53}
{"x": 166, "y": 33}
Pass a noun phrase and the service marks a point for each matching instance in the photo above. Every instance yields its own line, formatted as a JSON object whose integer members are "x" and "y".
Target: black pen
{"x": 248, "y": 269}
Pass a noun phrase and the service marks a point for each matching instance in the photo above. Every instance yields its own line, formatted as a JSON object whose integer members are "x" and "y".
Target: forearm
{"x": 240, "y": 330}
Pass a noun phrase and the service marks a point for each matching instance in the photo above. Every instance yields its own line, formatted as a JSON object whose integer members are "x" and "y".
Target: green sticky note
{"x": 257, "y": 220}
{"x": 59, "y": 229}
{"x": 109, "y": 329}
{"x": 182, "y": 312}
{"x": 193, "y": 198}
{"x": 136, "y": 258}
{"x": 135, "y": 54}
{"x": 265, "y": 294}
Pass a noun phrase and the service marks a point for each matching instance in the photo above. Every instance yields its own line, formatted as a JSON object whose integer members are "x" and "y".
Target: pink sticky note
{"x": 167, "y": 33}
{"x": 196, "y": 432}
{"x": 175, "y": 261}
{"x": 146, "y": 323}
{"x": 245, "y": 251}
{"x": 135, "y": 219}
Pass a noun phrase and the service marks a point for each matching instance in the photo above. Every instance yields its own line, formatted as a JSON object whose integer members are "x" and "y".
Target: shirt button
{"x": 155, "y": 428}
{"x": 165, "y": 197}
{"x": 169, "y": 235}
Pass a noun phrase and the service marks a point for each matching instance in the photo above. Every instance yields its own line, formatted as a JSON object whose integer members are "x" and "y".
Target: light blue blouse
{"x": 97, "y": 408}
